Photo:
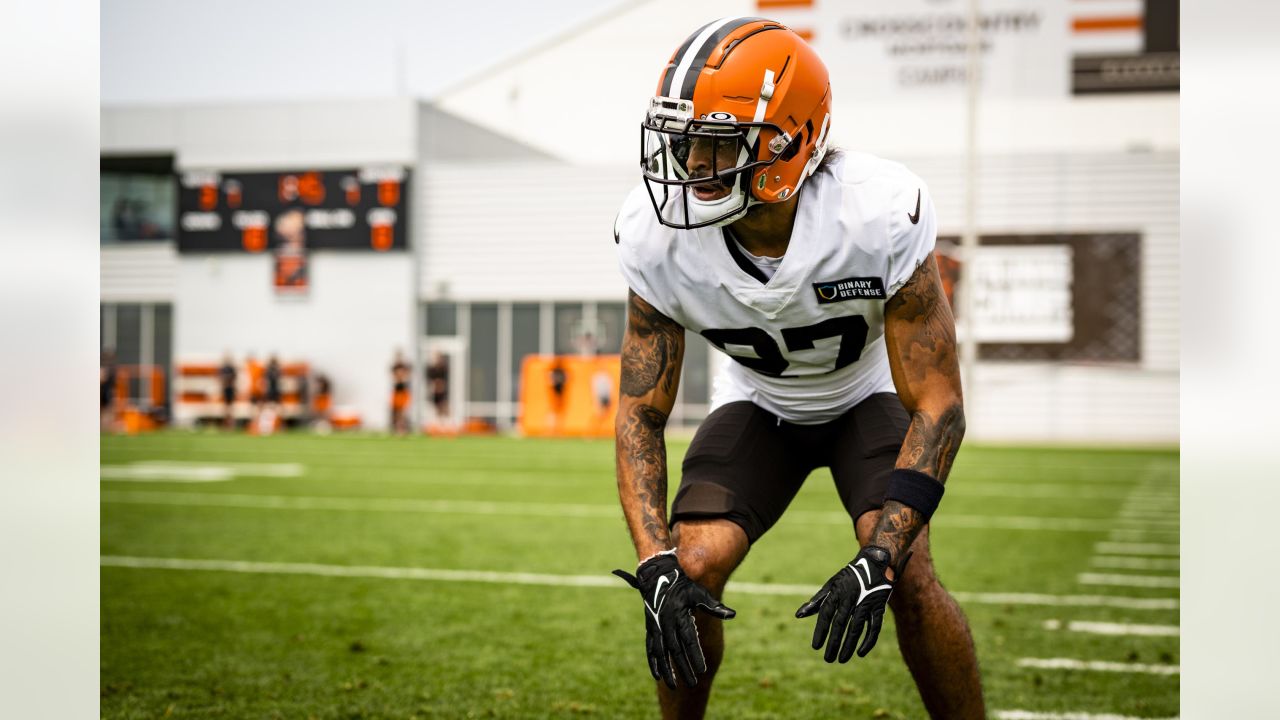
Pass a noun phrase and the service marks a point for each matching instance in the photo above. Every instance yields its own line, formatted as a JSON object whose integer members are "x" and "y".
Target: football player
{"x": 813, "y": 270}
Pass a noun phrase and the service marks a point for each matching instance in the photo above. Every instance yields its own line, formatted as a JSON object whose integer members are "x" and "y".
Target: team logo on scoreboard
{"x": 854, "y": 288}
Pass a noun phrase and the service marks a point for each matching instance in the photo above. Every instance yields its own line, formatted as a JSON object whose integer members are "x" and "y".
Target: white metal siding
{"x": 519, "y": 232}
{"x": 139, "y": 272}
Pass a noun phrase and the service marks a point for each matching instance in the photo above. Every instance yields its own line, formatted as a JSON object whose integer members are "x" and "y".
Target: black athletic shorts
{"x": 746, "y": 465}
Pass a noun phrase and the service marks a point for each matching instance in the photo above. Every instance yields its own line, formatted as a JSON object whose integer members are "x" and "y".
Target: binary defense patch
{"x": 854, "y": 288}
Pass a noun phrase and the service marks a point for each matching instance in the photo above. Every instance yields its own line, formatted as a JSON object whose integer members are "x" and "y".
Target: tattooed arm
{"x": 652, "y": 351}
{"x": 920, "y": 335}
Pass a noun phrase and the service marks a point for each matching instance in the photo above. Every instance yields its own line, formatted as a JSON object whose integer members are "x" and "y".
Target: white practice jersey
{"x": 808, "y": 343}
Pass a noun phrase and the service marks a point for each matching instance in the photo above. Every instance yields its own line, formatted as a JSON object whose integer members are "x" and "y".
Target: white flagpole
{"x": 969, "y": 240}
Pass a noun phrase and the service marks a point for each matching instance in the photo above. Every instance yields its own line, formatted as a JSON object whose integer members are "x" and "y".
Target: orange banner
{"x": 569, "y": 395}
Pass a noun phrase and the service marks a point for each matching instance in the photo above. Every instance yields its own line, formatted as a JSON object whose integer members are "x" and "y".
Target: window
{"x": 162, "y": 343}
{"x": 128, "y": 339}
{"x": 695, "y": 377}
{"x": 141, "y": 336}
{"x": 483, "y": 342}
{"x": 611, "y": 319}
{"x": 569, "y": 327}
{"x": 137, "y": 198}
{"x": 524, "y": 341}
{"x": 442, "y": 319}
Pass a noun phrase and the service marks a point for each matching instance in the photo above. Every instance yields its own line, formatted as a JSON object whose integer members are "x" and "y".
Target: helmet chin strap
{"x": 703, "y": 210}
{"x": 751, "y": 202}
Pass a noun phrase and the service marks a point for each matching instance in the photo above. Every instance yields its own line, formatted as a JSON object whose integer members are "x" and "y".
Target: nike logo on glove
{"x": 657, "y": 604}
{"x": 915, "y": 218}
{"x": 864, "y": 581}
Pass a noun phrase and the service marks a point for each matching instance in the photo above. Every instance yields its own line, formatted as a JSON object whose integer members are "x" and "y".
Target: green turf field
{"x": 365, "y": 577}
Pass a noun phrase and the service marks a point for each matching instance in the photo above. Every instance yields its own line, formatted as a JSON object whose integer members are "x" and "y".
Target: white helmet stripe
{"x": 682, "y": 68}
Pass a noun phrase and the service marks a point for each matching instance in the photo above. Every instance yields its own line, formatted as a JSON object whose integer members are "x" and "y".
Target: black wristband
{"x": 916, "y": 490}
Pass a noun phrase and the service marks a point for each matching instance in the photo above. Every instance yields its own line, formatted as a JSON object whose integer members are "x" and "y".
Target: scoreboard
{"x": 353, "y": 209}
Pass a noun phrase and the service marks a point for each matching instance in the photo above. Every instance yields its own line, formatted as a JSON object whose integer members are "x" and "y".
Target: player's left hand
{"x": 853, "y": 598}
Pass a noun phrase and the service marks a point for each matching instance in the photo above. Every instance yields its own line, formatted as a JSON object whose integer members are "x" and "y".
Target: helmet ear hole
{"x": 793, "y": 148}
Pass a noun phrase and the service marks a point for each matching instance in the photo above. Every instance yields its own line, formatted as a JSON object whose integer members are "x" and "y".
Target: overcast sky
{"x": 161, "y": 51}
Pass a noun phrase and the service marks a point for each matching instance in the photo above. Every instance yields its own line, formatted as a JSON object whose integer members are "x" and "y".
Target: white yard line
{"x": 1096, "y": 665}
{"x": 1123, "y": 523}
{"x": 1087, "y": 473}
{"x": 601, "y": 580}
{"x": 188, "y": 472}
{"x": 364, "y": 571}
{"x": 1120, "y": 580}
{"x": 1104, "y": 628}
{"x": 430, "y": 475}
{"x": 473, "y": 507}
{"x": 1118, "y": 548}
{"x": 292, "y": 502}
{"x": 289, "y": 469}
{"x": 1031, "y": 715}
{"x": 1161, "y": 513}
{"x": 1112, "y": 601}
{"x": 160, "y": 473}
{"x": 1064, "y": 491}
{"x": 1142, "y": 535}
{"x": 1121, "y": 562}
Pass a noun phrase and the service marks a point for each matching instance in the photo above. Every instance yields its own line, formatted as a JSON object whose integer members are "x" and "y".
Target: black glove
{"x": 670, "y": 635}
{"x": 858, "y": 593}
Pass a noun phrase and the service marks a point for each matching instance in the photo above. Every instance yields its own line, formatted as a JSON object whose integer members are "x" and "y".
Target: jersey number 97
{"x": 769, "y": 358}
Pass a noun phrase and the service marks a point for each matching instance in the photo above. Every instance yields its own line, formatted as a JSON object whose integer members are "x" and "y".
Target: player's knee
{"x": 706, "y": 568}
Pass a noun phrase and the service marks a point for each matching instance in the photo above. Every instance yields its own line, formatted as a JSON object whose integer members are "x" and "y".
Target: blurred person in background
{"x": 602, "y": 388}
{"x": 813, "y": 270}
{"x": 303, "y": 383}
{"x": 400, "y": 373}
{"x": 272, "y": 377}
{"x": 257, "y": 388}
{"x": 227, "y": 378}
{"x": 558, "y": 379}
{"x": 437, "y": 373}
{"x": 323, "y": 401}
{"x": 107, "y": 389}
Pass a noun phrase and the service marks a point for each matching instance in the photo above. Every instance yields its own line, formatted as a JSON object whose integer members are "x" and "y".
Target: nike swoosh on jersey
{"x": 915, "y": 219}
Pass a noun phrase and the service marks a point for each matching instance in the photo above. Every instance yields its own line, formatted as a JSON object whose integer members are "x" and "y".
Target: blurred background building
{"x": 475, "y": 219}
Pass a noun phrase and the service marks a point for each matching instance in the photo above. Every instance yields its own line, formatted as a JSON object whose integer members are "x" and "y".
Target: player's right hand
{"x": 671, "y": 637}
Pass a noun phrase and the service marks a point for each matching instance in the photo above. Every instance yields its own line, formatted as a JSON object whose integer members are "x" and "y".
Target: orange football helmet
{"x": 740, "y": 118}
